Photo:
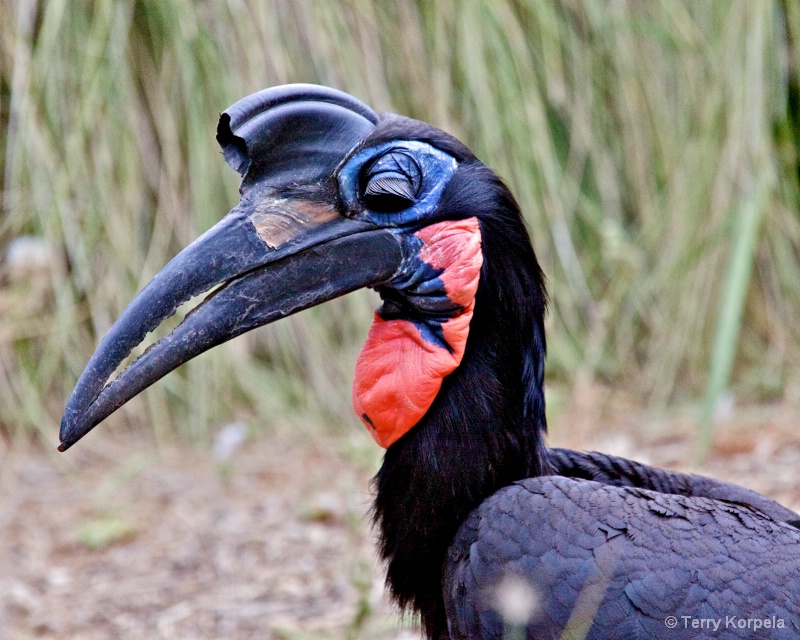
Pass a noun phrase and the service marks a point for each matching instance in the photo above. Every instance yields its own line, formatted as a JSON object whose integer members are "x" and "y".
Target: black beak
{"x": 273, "y": 255}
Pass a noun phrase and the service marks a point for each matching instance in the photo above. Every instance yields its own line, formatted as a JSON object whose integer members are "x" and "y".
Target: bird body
{"x": 622, "y": 562}
{"x": 469, "y": 499}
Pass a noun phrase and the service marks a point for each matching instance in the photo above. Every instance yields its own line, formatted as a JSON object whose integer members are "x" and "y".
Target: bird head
{"x": 334, "y": 198}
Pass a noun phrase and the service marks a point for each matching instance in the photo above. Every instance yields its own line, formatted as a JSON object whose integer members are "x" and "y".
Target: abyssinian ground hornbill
{"x": 485, "y": 531}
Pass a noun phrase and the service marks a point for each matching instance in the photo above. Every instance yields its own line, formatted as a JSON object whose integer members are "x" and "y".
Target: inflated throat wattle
{"x": 419, "y": 336}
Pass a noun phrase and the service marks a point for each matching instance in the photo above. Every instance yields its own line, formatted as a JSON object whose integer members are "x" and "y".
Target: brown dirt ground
{"x": 119, "y": 539}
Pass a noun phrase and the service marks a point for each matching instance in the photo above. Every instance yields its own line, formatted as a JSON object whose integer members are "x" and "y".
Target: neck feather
{"x": 485, "y": 428}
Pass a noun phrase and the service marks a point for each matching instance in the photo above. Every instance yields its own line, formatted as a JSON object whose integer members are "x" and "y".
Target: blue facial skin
{"x": 436, "y": 168}
{"x": 416, "y": 292}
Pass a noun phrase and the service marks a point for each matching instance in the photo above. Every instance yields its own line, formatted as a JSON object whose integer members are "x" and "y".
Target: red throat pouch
{"x": 403, "y": 362}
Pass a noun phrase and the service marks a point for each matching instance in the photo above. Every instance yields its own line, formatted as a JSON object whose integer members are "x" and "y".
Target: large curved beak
{"x": 257, "y": 285}
{"x": 273, "y": 255}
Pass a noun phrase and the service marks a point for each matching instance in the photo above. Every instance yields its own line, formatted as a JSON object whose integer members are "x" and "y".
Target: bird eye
{"x": 392, "y": 182}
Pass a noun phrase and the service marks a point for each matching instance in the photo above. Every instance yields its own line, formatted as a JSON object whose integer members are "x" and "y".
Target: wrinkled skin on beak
{"x": 286, "y": 247}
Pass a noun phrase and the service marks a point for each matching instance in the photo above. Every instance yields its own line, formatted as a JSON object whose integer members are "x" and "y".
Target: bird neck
{"x": 483, "y": 431}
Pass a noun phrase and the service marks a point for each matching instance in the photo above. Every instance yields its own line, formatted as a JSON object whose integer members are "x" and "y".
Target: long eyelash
{"x": 390, "y": 186}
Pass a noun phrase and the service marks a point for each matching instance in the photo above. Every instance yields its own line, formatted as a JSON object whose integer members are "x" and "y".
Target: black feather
{"x": 611, "y": 549}
{"x": 485, "y": 427}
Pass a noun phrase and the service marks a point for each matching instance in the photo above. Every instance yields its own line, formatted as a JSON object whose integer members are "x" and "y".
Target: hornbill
{"x": 335, "y": 197}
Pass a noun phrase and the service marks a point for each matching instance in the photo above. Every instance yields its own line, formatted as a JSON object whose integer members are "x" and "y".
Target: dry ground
{"x": 116, "y": 539}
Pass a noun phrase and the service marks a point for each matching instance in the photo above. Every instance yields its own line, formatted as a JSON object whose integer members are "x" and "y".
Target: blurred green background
{"x": 654, "y": 148}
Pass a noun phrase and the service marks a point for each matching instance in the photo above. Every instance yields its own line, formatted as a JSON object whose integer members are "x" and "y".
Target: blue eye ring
{"x": 434, "y": 167}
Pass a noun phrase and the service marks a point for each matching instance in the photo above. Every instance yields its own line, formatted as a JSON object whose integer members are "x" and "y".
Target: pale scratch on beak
{"x": 278, "y": 221}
